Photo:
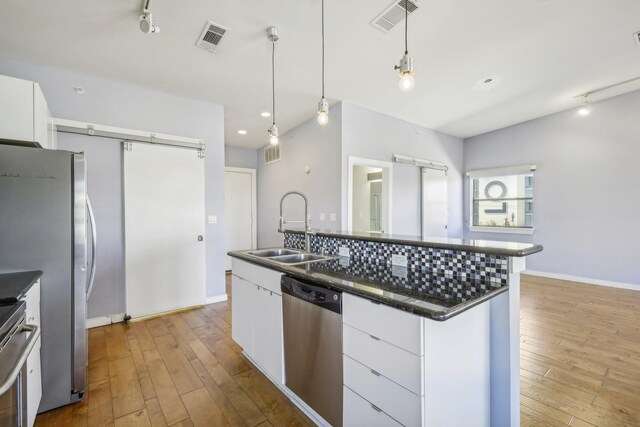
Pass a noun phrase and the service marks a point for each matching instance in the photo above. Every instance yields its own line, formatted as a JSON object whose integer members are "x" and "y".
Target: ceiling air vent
{"x": 272, "y": 154}
{"x": 211, "y": 36}
{"x": 393, "y": 15}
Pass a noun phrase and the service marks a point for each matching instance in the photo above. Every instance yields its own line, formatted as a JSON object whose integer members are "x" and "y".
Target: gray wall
{"x": 377, "y": 136}
{"x": 306, "y": 145}
{"x": 125, "y": 105}
{"x": 237, "y": 157}
{"x": 586, "y": 200}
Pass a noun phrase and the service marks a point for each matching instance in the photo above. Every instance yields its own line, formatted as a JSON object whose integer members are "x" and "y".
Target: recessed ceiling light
{"x": 242, "y": 132}
{"x": 79, "y": 90}
{"x": 265, "y": 114}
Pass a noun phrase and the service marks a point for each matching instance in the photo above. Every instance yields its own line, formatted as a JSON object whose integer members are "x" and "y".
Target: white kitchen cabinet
{"x": 267, "y": 333}
{"x": 244, "y": 296}
{"x": 24, "y": 113}
{"x": 34, "y": 376}
{"x": 257, "y": 316}
{"x": 359, "y": 412}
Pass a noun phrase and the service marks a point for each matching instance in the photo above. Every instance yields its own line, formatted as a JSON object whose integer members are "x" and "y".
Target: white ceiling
{"x": 541, "y": 53}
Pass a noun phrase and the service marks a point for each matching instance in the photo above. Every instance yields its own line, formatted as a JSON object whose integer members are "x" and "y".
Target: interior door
{"x": 164, "y": 228}
{"x": 239, "y": 209}
{"x": 435, "y": 210}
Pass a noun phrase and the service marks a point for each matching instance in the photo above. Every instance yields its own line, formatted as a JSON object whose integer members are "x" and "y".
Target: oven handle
{"x": 17, "y": 367}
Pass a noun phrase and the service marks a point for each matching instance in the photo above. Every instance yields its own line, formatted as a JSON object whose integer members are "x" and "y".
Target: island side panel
{"x": 505, "y": 350}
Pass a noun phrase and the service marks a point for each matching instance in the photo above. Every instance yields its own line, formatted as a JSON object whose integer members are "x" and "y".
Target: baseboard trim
{"x": 216, "y": 298}
{"x": 96, "y": 322}
{"x": 586, "y": 280}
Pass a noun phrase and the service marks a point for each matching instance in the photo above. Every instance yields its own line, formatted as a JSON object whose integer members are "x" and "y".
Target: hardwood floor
{"x": 580, "y": 354}
{"x": 580, "y": 366}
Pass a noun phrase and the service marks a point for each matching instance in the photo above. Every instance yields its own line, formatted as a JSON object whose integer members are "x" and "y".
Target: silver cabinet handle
{"x": 26, "y": 350}
{"x": 376, "y": 373}
{"x": 375, "y": 338}
{"x": 375, "y": 408}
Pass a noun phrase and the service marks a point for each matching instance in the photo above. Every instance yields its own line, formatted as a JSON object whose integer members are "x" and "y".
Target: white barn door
{"x": 435, "y": 211}
{"x": 164, "y": 229}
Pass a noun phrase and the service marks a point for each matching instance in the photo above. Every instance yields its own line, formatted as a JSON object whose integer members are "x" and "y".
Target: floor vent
{"x": 211, "y": 36}
{"x": 272, "y": 154}
{"x": 393, "y": 15}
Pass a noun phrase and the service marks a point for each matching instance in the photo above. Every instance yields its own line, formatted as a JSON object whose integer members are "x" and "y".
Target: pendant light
{"x": 585, "y": 107}
{"x": 323, "y": 105}
{"x": 272, "y": 34}
{"x": 407, "y": 82}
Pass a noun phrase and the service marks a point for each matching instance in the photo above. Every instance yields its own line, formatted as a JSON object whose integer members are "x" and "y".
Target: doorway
{"x": 369, "y": 196}
{"x": 240, "y": 210}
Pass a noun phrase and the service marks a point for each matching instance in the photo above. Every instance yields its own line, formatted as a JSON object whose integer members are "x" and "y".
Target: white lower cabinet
{"x": 34, "y": 373}
{"x": 358, "y": 412}
{"x": 256, "y": 317}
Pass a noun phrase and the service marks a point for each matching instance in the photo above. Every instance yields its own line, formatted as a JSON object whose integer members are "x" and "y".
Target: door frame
{"x": 254, "y": 204}
{"x": 387, "y": 179}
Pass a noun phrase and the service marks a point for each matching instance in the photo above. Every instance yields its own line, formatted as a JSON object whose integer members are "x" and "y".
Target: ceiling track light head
{"x": 147, "y": 25}
{"x": 272, "y": 34}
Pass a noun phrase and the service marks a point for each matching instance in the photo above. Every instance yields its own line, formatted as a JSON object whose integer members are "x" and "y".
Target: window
{"x": 502, "y": 199}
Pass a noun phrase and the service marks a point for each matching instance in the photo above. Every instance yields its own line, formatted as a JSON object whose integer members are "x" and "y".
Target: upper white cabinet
{"x": 24, "y": 113}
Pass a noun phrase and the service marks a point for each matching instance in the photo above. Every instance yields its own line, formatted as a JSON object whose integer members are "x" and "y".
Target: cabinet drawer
{"x": 399, "y": 365}
{"x": 264, "y": 277}
{"x": 392, "y": 325}
{"x": 358, "y": 412}
{"x": 394, "y": 400}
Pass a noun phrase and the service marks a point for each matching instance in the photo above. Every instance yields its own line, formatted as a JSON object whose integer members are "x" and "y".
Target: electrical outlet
{"x": 322, "y": 217}
{"x": 399, "y": 260}
{"x": 333, "y": 217}
{"x": 344, "y": 251}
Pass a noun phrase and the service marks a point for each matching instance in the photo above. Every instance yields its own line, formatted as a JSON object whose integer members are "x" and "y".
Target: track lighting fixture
{"x": 323, "y": 105}
{"x": 585, "y": 107}
{"x": 147, "y": 24}
{"x": 272, "y": 34}
{"x": 407, "y": 81}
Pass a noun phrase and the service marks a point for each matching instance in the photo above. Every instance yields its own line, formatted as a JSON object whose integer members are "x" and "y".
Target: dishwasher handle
{"x": 317, "y": 295}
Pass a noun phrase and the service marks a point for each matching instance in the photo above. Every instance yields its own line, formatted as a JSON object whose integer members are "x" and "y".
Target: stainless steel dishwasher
{"x": 312, "y": 318}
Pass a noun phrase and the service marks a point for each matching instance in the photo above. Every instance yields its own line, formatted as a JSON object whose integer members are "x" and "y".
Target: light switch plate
{"x": 333, "y": 217}
{"x": 399, "y": 260}
{"x": 322, "y": 217}
{"x": 344, "y": 251}
{"x": 213, "y": 219}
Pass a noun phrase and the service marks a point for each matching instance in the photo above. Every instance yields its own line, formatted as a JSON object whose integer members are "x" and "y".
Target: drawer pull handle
{"x": 376, "y": 373}
{"x": 375, "y": 338}
{"x": 375, "y": 408}
{"x": 374, "y": 302}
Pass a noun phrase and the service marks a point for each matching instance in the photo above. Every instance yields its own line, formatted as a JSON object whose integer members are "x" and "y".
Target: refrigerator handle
{"x": 94, "y": 236}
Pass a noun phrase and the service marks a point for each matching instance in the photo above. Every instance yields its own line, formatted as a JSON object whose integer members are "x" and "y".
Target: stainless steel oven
{"x": 17, "y": 339}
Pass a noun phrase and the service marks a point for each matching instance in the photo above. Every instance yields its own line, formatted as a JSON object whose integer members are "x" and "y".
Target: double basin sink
{"x": 289, "y": 256}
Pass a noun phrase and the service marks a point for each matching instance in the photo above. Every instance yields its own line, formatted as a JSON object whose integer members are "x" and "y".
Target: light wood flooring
{"x": 580, "y": 366}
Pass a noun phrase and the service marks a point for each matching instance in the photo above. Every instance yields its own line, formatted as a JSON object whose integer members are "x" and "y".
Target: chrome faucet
{"x": 307, "y": 227}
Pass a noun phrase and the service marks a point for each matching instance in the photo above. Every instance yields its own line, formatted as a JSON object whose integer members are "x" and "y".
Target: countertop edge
{"x": 30, "y": 278}
{"x": 440, "y": 315}
{"x": 535, "y": 248}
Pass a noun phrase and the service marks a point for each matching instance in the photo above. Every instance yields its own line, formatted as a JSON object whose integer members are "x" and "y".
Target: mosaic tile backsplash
{"x": 435, "y": 263}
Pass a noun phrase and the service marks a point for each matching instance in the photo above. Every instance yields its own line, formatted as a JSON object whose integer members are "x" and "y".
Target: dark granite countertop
{"x": 418, "y": 292}
{"x": 14, "y": 286}
{"x": 514, "y": 249}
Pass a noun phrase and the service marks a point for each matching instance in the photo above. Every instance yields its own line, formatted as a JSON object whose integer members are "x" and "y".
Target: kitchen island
{"x": 440, "y": 344}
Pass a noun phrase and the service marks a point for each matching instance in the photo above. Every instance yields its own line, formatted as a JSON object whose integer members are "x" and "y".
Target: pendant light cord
{"x": 406, "y": 25}
{"x": 273, "y": 78}
{"x": 322, "y": 49}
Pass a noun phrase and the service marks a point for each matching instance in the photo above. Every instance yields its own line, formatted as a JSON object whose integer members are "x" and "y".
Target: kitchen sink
{"x": 299, "y": 258}
{"x": 268, "y": 253}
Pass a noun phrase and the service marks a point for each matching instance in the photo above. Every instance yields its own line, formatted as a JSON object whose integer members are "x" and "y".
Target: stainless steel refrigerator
{"x": 43, "y": 226}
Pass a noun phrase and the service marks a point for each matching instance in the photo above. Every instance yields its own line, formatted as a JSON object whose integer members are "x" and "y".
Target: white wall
{"x": 586, "y": 197}
{"x": 237, "y": 157}
{"x": 311, "y": 145}
{"x": 377, "y": 136}
{"x": 129, "y": 106}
